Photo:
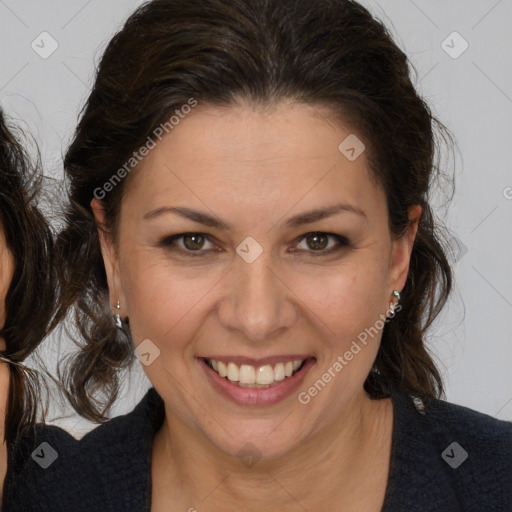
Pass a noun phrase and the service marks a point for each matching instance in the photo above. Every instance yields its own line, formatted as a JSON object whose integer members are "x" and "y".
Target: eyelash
{"x": 169, "y": 241}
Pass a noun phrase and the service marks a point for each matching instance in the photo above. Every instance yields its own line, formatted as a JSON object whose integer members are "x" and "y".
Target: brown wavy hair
{"x": 30, "y": 301}
{"x": 330, "y": 53}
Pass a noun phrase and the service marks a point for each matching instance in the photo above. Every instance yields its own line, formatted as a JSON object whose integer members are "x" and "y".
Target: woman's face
{"x": 287, "y": 257}
{"x": 6, "y": 273}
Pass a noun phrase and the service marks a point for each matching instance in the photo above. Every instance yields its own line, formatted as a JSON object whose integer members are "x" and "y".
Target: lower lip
{"x": 257, "y": 397}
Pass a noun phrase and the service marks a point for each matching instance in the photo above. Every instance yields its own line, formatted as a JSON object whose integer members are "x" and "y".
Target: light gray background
{"x": 471, "y": 94}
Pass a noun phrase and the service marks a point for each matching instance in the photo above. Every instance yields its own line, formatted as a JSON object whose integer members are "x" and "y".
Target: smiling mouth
{"x": 260, "y": 377}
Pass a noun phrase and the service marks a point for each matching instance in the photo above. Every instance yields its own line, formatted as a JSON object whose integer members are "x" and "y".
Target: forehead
{"x": 249, "y": 154}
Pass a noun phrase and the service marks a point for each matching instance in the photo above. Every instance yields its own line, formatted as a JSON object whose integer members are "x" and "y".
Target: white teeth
{"x": 249, "y": 376}
{"x": 223, "y": 370}
{"x": 279, "y": 372}
{"x": 233, "y": 372}
{"x": 265, "y": 375}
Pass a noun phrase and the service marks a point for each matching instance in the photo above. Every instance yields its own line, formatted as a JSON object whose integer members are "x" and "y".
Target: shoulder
{"x": 108, "y": 469}
{"x": 139, "y": 423}
{"x": 438, "y": 420}
{"x": 124, "y": 441}
{"x": 480, "y": 432}
{"x": 476, "y": 450}
{"x": 117, "y": 459}
{"x": 42, "y": 444}
{"x": 35, "y": 461}
{"x": 475, "y": 447}
{"x": 446, "y": 456}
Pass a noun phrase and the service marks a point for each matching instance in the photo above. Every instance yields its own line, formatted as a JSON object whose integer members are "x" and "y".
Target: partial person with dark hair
{"x": 250, "y": 211}
{"x": 27, "y": 287}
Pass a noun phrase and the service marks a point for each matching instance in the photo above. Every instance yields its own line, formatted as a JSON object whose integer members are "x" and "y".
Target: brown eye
{"x": 188, "y": 243}
{"x": 317, "y": 241}
{"x": 193, "y": 242}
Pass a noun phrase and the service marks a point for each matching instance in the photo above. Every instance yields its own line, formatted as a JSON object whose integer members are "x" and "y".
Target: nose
{"x": 258, "y": 303}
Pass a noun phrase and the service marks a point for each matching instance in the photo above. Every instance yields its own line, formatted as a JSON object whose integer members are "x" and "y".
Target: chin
{"x": 257, "y": 439}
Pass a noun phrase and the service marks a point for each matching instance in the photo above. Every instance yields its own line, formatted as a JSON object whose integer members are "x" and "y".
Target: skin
{"x": 255, "y": 169}
{"x": 6, "y": 273}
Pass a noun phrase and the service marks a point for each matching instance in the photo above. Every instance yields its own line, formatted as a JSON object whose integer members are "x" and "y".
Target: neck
{"x": 335, "y": 459}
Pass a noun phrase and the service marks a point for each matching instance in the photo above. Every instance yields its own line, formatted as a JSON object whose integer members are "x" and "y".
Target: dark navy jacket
{"x": 445, "y": 458}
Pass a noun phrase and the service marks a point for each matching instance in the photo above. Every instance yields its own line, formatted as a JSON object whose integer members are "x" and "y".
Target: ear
{"x": 402, "y": 250}
{"x": 110, "y": 259}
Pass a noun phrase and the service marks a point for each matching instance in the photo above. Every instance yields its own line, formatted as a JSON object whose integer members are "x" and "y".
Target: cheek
{"x": 350, "y": 297}
{"x": 349, "y": 304}
{"x": 352, "y": 309}
{"x": 161, "y": 301}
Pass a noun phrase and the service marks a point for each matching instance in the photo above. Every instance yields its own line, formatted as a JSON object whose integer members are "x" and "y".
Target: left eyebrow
{"x": 323, "y": 213}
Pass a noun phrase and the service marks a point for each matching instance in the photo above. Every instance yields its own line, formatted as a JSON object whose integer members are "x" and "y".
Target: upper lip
{"x": 239, "y": 360}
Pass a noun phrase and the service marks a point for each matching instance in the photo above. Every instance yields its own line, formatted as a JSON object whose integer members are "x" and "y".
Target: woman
{"x": 249, "y": 210}
{"x": 27, "y": 284}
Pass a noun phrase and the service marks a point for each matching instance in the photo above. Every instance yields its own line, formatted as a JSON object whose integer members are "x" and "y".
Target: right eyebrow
{"x": 191, "y": 214}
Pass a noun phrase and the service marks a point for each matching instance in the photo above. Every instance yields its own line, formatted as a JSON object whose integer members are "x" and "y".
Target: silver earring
{"x": 117, "y": 316}
{"x": 396, "y": 295}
